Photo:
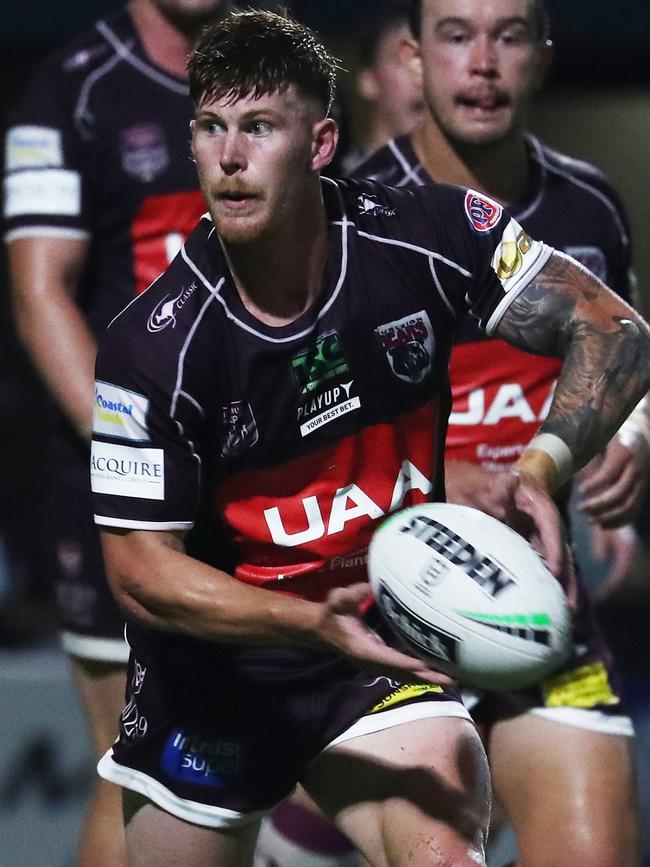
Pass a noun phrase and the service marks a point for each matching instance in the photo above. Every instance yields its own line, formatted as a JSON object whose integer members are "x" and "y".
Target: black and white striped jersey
{"x": 99, "y": 150}
{"x": 501, "y": 394}
{"x": 300, "y": 439}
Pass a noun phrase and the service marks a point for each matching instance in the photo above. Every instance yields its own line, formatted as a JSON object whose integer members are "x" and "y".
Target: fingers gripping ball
{"x": 469, "y": 595}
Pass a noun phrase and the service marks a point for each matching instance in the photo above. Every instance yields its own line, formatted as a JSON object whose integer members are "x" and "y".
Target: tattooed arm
{"x": 567, "y": 312}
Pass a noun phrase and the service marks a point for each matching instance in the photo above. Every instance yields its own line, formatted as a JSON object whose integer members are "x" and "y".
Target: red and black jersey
{"x": 501, "y": 394}
{"x": 299, "y": 439}
{"x": 99, "y": 150}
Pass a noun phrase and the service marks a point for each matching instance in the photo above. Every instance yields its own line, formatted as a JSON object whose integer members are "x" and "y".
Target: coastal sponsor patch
{"x": 408, "y": 344}
{"x": 43, "y": 191}
{"x": 127, "y": 471}
{"x": 482, "y": 213}
{"x": 32, "y": 147}
{"x": 120, "y": 413}
{"x": 584, "y": 687}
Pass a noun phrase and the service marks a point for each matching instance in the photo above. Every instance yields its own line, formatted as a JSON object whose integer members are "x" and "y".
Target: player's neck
{"x": 165, "y": 45}
{"x": 280, "y": 277}
{"x": 501, "y": 171}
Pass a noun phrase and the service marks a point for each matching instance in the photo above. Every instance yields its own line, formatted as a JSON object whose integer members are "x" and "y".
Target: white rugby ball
{"x": 469, "y": 595}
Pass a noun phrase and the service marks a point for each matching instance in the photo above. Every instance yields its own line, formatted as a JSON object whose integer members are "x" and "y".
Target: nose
{"x": 483, "y": 58}
{"x": 233, "y": 153}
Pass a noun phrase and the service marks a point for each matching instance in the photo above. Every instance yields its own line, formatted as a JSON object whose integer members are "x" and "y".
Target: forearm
{"x": 63, "y": 351}
{"x": 605, "y": 345}
{"x": 166, "y": 589}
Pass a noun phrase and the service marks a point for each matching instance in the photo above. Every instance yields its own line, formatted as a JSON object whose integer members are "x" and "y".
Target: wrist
{"x": 634, "y": 433}
{"x": 548, "y": 458}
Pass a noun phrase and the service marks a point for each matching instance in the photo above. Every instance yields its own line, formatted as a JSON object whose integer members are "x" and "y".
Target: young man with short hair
{"x": 276, "y": 426}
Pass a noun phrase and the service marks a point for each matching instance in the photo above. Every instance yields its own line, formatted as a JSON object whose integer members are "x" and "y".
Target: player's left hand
{"x": 613, "y": 486}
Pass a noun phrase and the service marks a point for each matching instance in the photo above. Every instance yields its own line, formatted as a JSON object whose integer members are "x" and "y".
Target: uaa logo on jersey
{"x": 164, "y": 313}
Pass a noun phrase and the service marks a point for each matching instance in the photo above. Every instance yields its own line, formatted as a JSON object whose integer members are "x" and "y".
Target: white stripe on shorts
{"x": 387, "y": 719}
{"x": 591, "y": 719}
{"x": 98, "y": 649}
{"x": 194, "y": 812}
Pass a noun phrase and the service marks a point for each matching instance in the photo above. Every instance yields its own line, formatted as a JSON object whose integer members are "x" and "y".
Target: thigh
{"x": 101, "y": 686}
{"x": 158, "y": 839}
{"x": 414, "y": 794}
{"x": 570, "y": 792}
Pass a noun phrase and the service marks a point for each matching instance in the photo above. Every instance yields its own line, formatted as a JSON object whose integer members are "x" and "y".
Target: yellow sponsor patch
{"x": 404, "y": 693}
{"x": 583, "y": 687}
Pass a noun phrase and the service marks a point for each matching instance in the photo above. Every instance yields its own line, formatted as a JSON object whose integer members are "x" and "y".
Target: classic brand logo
{"x": 369, "y": 205}
{"x": 408, "y": 344}
{"x": 164, "y": 313}
{"x": 144, "y": 151}
{"x": 322, "y": 361}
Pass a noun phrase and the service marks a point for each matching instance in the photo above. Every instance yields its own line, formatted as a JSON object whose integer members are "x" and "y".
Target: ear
{"x": 367, "y": 85}
{"x": 192, "y": 131}
{"x": 411, "y": 57}
{"x": 546, "y": 57}
{"x": 325, "y": 137}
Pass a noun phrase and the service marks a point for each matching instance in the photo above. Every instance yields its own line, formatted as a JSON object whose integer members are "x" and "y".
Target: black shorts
{"x": 218, "y": 735}
{"x": 585, "y": 691}
{"x": 92, "y": 624}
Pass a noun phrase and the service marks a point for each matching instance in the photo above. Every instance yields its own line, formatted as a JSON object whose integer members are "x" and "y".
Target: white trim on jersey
{"x": 518, "y": 286}
{"x": 92, "y": 647}
{"x": 190, "y": 811}
{"x": 89, "y": 83}
{"x": 128, "y": 524}
{"x": 438, "y": 285}
{"x": 47, "y": 232}
{"x": 394, "y": 242}
{"x": 411, "y": 173}
{"x": 124, "y": 52}
{"x": 387, "y": 719}
{"x": 193, "y": 401}
{"x": 583, "y": 185}
{"x": 249, "y": 329}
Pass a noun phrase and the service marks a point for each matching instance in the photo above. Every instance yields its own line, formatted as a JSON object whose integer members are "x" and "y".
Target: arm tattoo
{"x": 568, "y": 313}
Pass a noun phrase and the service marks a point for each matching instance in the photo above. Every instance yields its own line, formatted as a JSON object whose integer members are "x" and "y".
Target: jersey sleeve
{"x": 145, "y": 459}
{"x": 46, "y": 159}
{"x": 487, "y": 257}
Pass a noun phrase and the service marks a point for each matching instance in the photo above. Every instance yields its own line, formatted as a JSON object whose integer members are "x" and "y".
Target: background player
{"x": 100, "y": 193}
{"x": 479, "y": 63}
{"x": 392, "y": 97}
{"x": 318, "y": 319}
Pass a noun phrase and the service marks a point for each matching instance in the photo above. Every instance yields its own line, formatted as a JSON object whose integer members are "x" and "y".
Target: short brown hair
{"x": 540, "y": 17}
{"x": 260, "y": 53}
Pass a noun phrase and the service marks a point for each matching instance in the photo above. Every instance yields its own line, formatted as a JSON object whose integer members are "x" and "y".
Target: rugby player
{"x": 480, "y": 62}
{"x": 100, "y": 193}
{"x": 278, "y": 415}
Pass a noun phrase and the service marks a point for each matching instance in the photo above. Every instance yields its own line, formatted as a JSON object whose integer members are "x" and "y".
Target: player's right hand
{"x": 342, "y": 629}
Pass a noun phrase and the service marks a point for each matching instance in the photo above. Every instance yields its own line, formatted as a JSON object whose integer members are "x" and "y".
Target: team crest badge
{"x": 408, "y": 344}
{"x": 238, "y": 428}
{"x": 483, "y": 213}
{"x": 144, "y": 151}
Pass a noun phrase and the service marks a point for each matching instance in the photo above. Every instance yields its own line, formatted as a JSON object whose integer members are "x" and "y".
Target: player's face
{"x": 480, "y": 62}
{"x": 390, "y": 86}
{"x": 256, "y": 159}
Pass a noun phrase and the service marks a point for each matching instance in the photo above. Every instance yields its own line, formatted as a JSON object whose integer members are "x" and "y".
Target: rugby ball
{"x": 469, "y": 595}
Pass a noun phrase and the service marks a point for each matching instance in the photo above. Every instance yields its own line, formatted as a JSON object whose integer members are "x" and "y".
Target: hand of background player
{"x": 613, "y": 486}
{"x": 342, "y": 629}
{"x": 522, "y": 501}
{"x": 617, "y": 549}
